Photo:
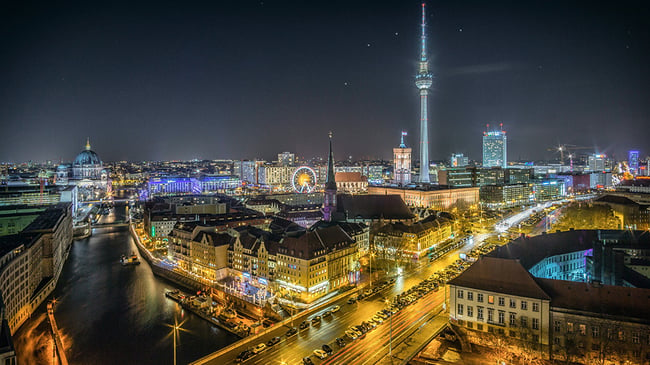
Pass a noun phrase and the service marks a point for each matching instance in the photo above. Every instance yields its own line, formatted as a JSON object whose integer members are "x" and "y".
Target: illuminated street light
{"x": 176, "y": 328}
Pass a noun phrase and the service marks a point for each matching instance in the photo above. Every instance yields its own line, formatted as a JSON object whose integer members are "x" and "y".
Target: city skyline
{"x": 252, "y": 79}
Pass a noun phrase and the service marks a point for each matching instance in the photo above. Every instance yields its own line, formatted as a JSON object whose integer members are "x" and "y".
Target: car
{"x": 378, "y": 319}
{"x": 368, "y": 292}
{"x": 352, "y": 300}
{"x": 304, "y": 325}
{"x": 335, "y": 309}
{"x": 340, "y": 341}
{"x": 307, "y": 361}
{"x": 291, "y": 332}
{"x": 327, "y": 314}
{"x": 315, "y": 320}
{"x": 259, "y": 348}
{"x": 352, "y": 334}
{"x": 327, "y": 349}
{"x": 320, "y": 354}
{"x": 361, "y": 329}
{"x": 244, "y": 355}
{"x": 273, "y": 341}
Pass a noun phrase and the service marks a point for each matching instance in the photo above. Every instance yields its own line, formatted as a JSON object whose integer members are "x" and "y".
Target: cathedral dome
{"x": 87, "y": 157}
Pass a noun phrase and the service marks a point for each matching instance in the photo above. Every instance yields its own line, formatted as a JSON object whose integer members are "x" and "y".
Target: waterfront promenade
{"x": 58, "y": 343}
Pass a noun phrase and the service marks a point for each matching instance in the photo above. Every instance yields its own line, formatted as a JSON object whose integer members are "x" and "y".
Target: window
{"x": 556, "y": 341}
{"x": 535, "y": 323}
{"x": 595, "y": 331}
{"x": 513, "y": 303}
{"x": 479, "y": 313}
{"x": 524, "y": 322}
{"x": 583, "y": 329}
{"x": 470, "y": 295}
{"x": 479, "y": 297}
{"x": 470, "y": 324}
{"x": 621, "y": 335}
{"x": 513, "y": 333}
{"x": 535, "y": 338}
{"x": 479, "y": 327}
{"x": 524, "y": 305}
{"x": 502, "y": 317}
{"x": 513, "y": 319}
{"x": 636, "y": 337}
{"x": 556, "y": 326}
{"x": 502, "y": 301}
{"x": 490, "y": 315}
{"x": 460, "y": 310}
{"x": 470, "y": 311}
{"x": 460, "y": 294}
{"x": 535, "y": 307}
{"x": 491, "y": 299}
{"x": 569, "y": 327}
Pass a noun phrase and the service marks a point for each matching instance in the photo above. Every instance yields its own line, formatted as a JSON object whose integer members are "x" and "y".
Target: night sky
{"x": 248, "y": 79}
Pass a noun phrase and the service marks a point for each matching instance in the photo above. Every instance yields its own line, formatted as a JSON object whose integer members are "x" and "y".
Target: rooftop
{"x": 598, "y": 299}
{"x": 373, "y": 207}
{"x": 500, "y": 276}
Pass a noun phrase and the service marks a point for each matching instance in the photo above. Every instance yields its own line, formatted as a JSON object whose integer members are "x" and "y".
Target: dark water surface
{"x": 110, "y": 314}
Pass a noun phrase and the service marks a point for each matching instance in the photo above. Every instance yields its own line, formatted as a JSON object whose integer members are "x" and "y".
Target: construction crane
{"x": 561, "y": 148}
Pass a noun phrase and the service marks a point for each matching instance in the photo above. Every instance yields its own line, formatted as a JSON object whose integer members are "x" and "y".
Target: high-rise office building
{"x": 423, "y": 81}
{"x": 458, "y": 160}
{"x": 597, "y": 162}
{"x": 286, "y": 159}
{"x": 402, "y": 163}
{"x": 633, "y": 162}
{"x": 495, "y": 148}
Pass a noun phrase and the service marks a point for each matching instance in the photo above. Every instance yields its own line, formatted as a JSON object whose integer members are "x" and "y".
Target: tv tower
{"x": 423, "y": 81}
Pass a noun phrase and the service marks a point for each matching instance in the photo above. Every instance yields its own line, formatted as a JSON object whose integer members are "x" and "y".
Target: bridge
{"x": 117, "y": 223}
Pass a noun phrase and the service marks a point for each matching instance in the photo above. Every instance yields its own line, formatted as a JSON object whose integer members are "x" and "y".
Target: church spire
{"x": 331, "y": 181}
{"x": 87, "y": 143}
{"x": 329, "y": 201}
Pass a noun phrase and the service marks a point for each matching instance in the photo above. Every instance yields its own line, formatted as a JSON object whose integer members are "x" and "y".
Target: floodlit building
{"x": 435, "y": 197}
{"x": 596, "y": 162}
{"x": 351, "y": 182}
{"x": 286, "y": 159}
{"x": 633, "y": 162}
{"x": 495, "y": 148}
{"x": 458, "y": 160}
{"x": 402, "y": 163}
{"x": 412, "y": 241}
{"x": 31, "y": 262}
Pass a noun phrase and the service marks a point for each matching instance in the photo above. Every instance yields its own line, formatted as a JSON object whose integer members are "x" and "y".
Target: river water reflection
{"x": 110, "y": 314}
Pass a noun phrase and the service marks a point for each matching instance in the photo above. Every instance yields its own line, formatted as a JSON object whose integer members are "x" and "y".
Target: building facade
{"x": 441, "y": 198}
{"x": 31, "y": 262}
{"x": 495, "y": 145}
{"x": 402, "y": 163}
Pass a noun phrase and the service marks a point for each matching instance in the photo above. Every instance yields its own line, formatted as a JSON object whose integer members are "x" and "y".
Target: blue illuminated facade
{"x": 189, "y": 185}
{"x": 572, "y": 266}
{"x": 633, "y": 162}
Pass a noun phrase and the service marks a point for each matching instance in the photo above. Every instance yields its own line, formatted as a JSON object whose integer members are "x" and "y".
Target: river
{"x": 109, "y": 313}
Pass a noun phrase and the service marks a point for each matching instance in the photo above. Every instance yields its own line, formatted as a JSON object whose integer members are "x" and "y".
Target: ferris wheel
{"x": 304, "y": 179}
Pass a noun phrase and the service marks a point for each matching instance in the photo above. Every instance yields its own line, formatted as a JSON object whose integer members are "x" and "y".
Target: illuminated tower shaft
{"x": 423, "y": 82}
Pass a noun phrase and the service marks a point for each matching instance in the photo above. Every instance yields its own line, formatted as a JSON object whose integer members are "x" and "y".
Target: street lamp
{"x": 176, "y": 328}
